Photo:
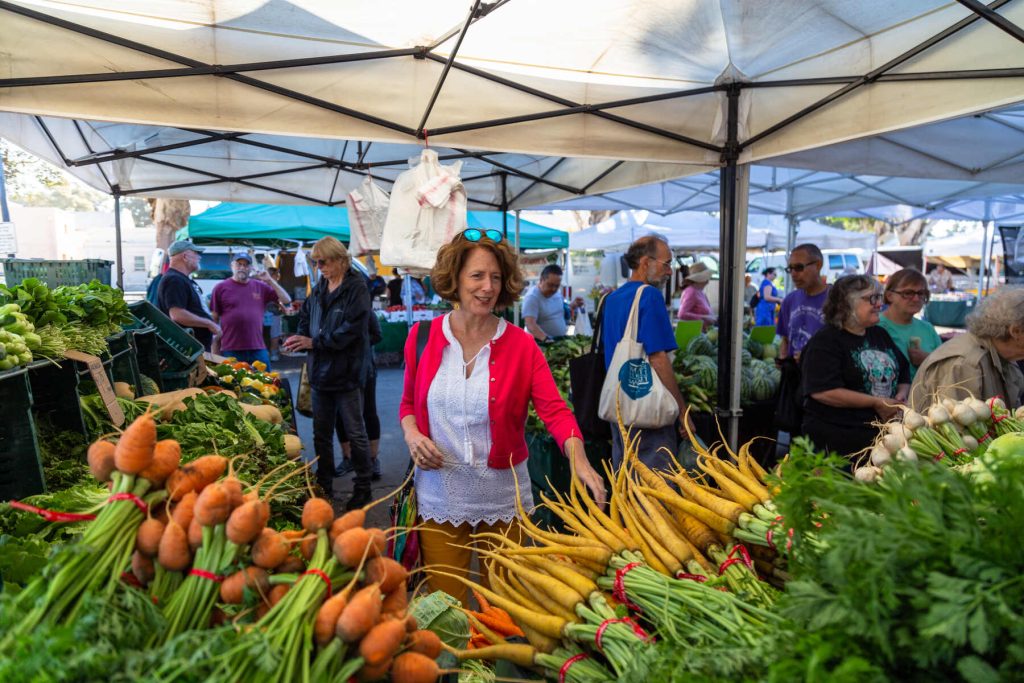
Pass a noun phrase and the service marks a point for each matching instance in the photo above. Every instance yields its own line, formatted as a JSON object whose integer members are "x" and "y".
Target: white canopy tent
{"x": 701, "y": 83}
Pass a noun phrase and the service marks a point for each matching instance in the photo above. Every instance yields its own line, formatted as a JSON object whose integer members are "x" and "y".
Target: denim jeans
{"x": 370, "y": 417}
{"x": 249, "y": 357}
{"x": 330, "y": 407}
{"x": 651, "y": 448}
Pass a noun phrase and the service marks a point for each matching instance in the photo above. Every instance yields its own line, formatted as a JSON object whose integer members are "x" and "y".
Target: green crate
{"x": 57, "y": 273}
{"x": 21, "y": 469}
{"x": 55, "y": 395}
{"x": 123, "y": 360}
{"x": 179, "y": 379}
{"x": 178, "y": 349}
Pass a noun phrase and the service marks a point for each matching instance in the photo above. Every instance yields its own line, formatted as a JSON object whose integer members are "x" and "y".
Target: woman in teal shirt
{"x": 906, "y": 293}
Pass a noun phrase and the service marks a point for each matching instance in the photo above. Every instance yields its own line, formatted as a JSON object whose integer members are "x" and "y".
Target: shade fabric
{"x": 636, "y": 83}
{"x": 232, "y": 223}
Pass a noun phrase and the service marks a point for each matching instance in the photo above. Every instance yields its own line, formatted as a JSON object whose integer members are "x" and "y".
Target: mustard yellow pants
{"x": 449, "y": 548}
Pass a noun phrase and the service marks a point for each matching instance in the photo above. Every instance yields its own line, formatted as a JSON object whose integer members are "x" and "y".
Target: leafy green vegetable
{"x": 440, "y": 613}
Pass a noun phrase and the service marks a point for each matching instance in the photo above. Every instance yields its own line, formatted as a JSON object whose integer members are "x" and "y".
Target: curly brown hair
{"x": 451, "y": 258}
{"x": 842, "y": 298}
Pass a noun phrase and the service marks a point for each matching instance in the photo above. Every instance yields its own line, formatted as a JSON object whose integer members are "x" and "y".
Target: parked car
{"x": 836, "y": 264}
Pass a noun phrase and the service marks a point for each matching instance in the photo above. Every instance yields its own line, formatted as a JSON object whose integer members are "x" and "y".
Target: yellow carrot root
{"x": 557, "y": 591}
{"x": 687, "y": 508}
{"x": 720, "y": 506}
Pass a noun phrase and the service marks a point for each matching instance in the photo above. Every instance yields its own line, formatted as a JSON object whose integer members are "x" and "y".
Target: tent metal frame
{"x": 728, "y": 399}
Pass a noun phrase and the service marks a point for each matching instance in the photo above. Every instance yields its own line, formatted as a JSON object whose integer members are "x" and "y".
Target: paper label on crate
{"x": 99, "y": 376}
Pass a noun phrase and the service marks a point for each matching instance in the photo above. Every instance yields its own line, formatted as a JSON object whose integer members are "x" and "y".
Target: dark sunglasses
{"x": 799, "y": 267}
{"x": 909, "y": 294}
{"x": 320, "y": 262}
{"x": 475, "y": 235}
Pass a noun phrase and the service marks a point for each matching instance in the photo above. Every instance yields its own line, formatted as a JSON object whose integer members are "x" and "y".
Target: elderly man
{"x": 543, "y": 308}
{"x": 181, "y": 298}
{"x": 238, "y": 304}
{"x": 650, "y": 262}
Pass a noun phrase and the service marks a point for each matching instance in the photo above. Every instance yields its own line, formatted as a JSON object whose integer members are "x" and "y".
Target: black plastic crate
{"x": 55, "y": 395}
{"x": 21, "y": 469}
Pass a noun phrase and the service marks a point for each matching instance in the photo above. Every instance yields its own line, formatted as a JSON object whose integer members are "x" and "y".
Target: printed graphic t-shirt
{"x": 800, "y": 317}
{"x": 837, "y": 359}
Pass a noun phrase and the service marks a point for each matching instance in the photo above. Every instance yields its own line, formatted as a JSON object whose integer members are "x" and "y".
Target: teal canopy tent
{"x": 283, "y": 225}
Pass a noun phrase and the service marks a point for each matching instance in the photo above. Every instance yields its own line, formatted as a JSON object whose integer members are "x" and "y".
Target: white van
{"x": 836, "y": 264}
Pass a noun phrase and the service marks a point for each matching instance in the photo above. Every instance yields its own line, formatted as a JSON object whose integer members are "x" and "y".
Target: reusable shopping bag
{"x": 631, "y": 388}
{"x": 367, "y": 213}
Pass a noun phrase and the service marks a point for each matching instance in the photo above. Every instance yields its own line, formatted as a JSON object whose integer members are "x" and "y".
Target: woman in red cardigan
{"x": 464, "y": 406}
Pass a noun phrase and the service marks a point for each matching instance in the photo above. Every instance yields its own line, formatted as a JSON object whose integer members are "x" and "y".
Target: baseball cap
{"x": 242, "y": 255}
{"x": 182, "y": 246}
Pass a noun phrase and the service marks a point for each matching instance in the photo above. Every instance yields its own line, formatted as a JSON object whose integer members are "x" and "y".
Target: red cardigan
{"x": 519, "y": 373}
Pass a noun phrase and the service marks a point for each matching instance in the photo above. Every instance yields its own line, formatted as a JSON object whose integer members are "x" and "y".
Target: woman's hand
{"x": 917, "y": 356}
{"x": 584, "y": 472}
{"x": 887, "y": 408}
{"x": 423, "y": 451}
{"x": 297, "y": 342}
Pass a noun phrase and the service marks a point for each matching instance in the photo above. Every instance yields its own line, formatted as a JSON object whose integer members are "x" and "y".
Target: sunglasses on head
{"x": 475, "y": 235}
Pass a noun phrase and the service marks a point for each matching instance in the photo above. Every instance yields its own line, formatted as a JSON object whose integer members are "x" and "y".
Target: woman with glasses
{"x": 983, "y": 361}
{"x": 334, "y": 327}
{"x": 906, "y": 293}
{"x": 853, "y": 373}
{"x": 468, "y": 383}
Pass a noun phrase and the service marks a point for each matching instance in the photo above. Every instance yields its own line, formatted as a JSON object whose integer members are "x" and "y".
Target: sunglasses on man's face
{"x": 799, "y": 267}
{"x": 475, "y": 235}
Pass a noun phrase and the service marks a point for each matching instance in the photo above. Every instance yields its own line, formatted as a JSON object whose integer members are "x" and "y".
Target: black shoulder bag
{"x": 586, "y": 377}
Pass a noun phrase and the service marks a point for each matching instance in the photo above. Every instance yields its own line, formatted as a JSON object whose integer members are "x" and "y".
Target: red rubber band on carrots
{"x": 203, "y": 574}
{"x": 52, "y": 515}
{"x": 984, "y": 437}
{"x": 638, "y": 631}
{"x": 743, "y": 556}
{"x": 131, "y": 579}
{"x": 692, "y": 577}
{"x": 768, "y": 537}
{"x": 317, "y": 572}
{"x": 619, "y": 589}
{"x": 959, "y": 451}
{"x": 564, "y": 671}
{"x": 940, "y": 456}
{"x": 138, "y": 502}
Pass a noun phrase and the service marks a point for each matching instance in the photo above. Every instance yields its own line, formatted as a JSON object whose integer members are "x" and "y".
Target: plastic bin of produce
{"x": 55, "y": 395}
{"x": 183, "y": 379}
{"x": 179, "y": 350}
{"x": 21, "y": 470}
{"x": 57, "y": 273}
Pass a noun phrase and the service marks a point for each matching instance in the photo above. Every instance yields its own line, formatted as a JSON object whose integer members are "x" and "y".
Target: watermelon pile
{"x": 696, "y": 368}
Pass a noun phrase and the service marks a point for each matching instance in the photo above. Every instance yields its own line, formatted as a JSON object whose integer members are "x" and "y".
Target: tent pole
{"x": 732, "y": 238}
{"x": 504, "y": 209}
{"x": 985, "y": 248}
{"x": 117, "y": 238}
{"x": 515, "y": 309}
{"x": 790, "y": 233}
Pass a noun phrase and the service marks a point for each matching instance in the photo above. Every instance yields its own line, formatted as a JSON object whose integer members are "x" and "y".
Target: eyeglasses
{"x": 873, "y": 299}
{"x": 320, "y": 262}
{"x": 475, "y": 235}
{"x": 911, "y": 293}
{"x": 667, "y": 264}
{"x": 799, "y": 267}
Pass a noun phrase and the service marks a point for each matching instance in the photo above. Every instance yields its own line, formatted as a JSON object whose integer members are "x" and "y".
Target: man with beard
{"x": 238, "y": 304}
{"x": 650, "y": 262}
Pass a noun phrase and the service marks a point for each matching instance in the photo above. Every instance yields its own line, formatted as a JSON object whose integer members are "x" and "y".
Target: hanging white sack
{"x": 582, "y": 324}
{"x": 367, "y": 212}
{"x": 631, "y": 387}
{"x": 427, "y": 209}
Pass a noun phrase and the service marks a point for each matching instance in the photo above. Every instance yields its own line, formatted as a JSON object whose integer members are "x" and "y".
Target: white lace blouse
{"x": 466, "y": 490}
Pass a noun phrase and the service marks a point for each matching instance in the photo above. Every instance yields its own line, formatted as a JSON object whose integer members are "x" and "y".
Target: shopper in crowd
{"x": 749, "y": 290}
{"x": 906, "y": 293}
{"x": 419, "y": 294}
{"x": 767, "y": 299}
{"x": 940, "y": 280}
{"x": 801, "y": 313}
{"x": 853, "y": 373}
{"x": 334, "y": 329}
{"x": 468, "y": 385}
{"x": 543, "y": 308}
{"x": 180, "y": 298}
{"x": 649, "y": 260}
{"x": 238, "y": 304}
{"x": 395, "y": 288}
{"x": 983, "y": 361}
{"x": 370, "y": 418}
{"x": 694, "y": 304}
{"x": 376, "y": 285}
{"x": 272, "y": 319}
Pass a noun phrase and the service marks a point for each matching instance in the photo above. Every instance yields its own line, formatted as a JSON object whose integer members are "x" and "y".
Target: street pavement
{"x": 394, "y": 457}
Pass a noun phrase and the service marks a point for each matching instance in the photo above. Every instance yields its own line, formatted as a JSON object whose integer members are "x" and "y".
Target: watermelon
{"x": 699, "y": 346}
{"x": 706, "y": 370}
{"x": 712, "y": 335}
{"x": 770, "y": 352}
{"x": 746, "y": 357}
{"x": 755, "y": 347}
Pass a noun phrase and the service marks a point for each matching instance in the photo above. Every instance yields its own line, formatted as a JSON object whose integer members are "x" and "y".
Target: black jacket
{"x": 339, "y": 324}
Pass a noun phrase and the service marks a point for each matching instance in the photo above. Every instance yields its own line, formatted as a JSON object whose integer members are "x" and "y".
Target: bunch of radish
{"x": 135, "y": 469}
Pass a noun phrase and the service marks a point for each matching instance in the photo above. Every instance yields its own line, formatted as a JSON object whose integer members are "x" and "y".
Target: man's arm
{"x": 783, "y": 348}
{"x": 533, "y": 328}
{"x": 282, "y": 295}
{"x": 188, "y": 319}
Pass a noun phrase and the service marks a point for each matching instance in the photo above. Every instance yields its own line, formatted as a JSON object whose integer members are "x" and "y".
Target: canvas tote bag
{"x": 643, "y": 401}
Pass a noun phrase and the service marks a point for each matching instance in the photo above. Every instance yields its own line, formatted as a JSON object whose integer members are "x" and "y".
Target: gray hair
{"x": 645, "y": 246}
{"x": 998, "y": 313}
{"x": 842, "y": 298}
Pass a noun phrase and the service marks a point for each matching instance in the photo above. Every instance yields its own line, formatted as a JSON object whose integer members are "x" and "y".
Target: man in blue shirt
{"x": 650, "y": 262}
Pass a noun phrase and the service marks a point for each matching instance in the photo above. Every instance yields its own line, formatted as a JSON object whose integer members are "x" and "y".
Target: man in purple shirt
{"x": 801, "y": 313}
{"x": 237, "y": 305}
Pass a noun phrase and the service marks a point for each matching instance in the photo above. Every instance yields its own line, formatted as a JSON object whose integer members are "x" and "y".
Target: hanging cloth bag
{"x": 427, "y": 210}
{"x": 631, "y": 388}
{"x": 367, "y": 212}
